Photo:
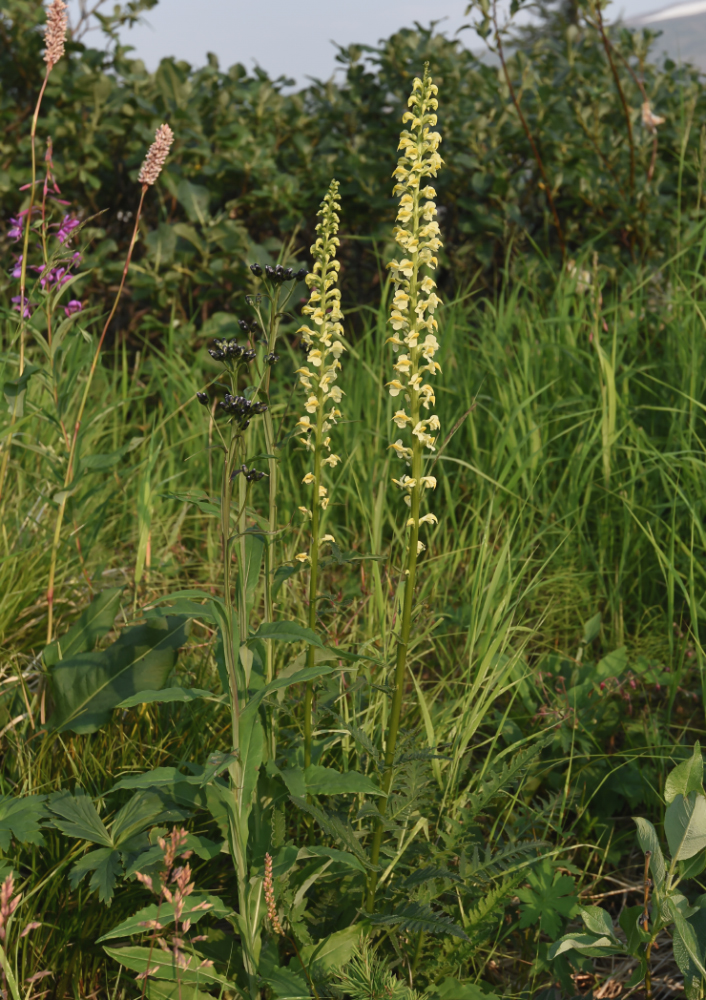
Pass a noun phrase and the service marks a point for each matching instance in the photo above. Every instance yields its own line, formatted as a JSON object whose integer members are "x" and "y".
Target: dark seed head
{"x": 249, "y": 355}
{"x": 202, "y": 398}
{"x": 217, "y": 355}
{"x": 300, "y": 274}
{"x": 272, "y": 359}
{"x": 244, "y": 325}
{"x": 256, "y": 269}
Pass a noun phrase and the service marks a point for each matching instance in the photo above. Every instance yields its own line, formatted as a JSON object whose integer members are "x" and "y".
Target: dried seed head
{"x": 156, "y": 155}
{"x": 270, "y": 898}
{"x": 55, "y": 33}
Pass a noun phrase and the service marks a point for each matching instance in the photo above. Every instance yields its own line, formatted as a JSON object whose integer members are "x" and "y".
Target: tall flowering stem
{"x": 414, "y": 329}
{"x": 318, "y": 377}
{"x": 149, "y": 172}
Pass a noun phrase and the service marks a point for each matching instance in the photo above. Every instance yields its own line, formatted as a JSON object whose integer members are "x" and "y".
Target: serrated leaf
{"x": 317, "y": 780}
{"x": 550, "y": 898}
{"x": 76, "y": 816}
{"x": 87, "y": 687}
{"x": 91, "y": 625}
{"x": 195, "y": 907}
{"x": 20, "y": 819}
{"x": 649, "y": 841}
{"x": 418, "y": 917}
{"x": 685, "y": 826}
{"x": 286, "y": 984}
{"x": 686, "y": 777}
{"x": 105, "y": 865}
{"x": 144, "y": 809}
{"x": 422, "y": 875}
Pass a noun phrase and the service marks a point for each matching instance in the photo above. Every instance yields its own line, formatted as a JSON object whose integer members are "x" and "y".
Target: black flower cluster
{"x": 252, "y": 475}
{"x": 252, "y": 328}
{"x": 279, "y": 274}
{"x": 272, "y": 359}
{"x": 230, "y": 351}
{"x": 241, "y": 410}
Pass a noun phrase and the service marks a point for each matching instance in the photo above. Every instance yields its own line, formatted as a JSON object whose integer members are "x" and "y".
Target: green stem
{"x": 313, "y": 578}
{"x": 9, "y": 975}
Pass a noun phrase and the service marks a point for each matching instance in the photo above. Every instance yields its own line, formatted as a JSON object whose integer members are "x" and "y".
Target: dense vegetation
{"x": 546, "y": 672}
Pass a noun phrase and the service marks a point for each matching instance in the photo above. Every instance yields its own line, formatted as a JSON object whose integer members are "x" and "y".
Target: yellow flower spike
{"x": 413, "y": 305}
{"x": 318, "y": 377}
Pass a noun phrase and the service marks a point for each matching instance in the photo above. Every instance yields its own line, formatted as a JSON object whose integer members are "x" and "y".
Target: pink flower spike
{"x": 30, "y": 927}
{"x": 39, "y": 975}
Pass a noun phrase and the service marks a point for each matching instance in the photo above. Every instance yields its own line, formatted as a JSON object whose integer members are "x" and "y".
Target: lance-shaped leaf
{"x": 87, "y": 687}
{"x": 141, "y": 959}
{"x": 195, "y": 907}
{"x": 686, "y": 777}
{"x": 685, "y": 941}
{"x": 91, "y": 625}
{"x": 685, "y": 826}
{"x": 169, "y": 696}
{"x": 317, "y": 780}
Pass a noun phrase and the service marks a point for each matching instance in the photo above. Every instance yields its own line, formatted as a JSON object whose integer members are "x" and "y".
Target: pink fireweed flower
{"x": 29, "y": 306}
{"x": 15, "y": 230}
{"x": 74, "y": 306}
{"x": 66, "y": 227}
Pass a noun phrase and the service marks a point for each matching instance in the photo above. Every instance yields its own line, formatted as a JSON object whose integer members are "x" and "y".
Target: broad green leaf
{"x": 549, "y": 900}
{"x": 585, "y": 944}
{"x": 631, "y": 922}
{"x": 686, "y": 935}
{"x": 417, "y": 917}
{"x": 287, "y": 632}
{"x": 168, "y": 696}
{"x": 140, "y": 959}
{"x": 91, "y": 625}
{"x": 196, "y": 906}
{"x": 105, "y": 865}
{"x": 332, "y": 953}
{"x": 686, "y": 777}
{"x": 597, "y": 921}
{"x": 194, "y": 200}
{"x": 693, "y": 867}
{"x": 649, "y": 841}
{"x": 150, "y": 779}
{"x": 300, "y": 677}
{"x": 452, "y": 989}
{"x": 20, "y": 819}
{"x": 254, "y": 544}
{"x": 76, "y": 816}
{"x": 317, "y": 780}
{"x": 613, "y": 664}
{"x": 161, "y": 243}
{"x": 685, "y": 826}
{"x": 87, "y": 687}
{"x": 252, "y": 745}
{"x": 286, "y": 984}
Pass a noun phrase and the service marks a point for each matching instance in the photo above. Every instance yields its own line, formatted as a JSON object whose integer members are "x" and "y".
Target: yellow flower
{"x": 302, "y": 557}
{"x": 401, "y": 419}
{"x": 312, "y": 404}
{"x": 395, "y": 387}
{"x": 308, "y": 478}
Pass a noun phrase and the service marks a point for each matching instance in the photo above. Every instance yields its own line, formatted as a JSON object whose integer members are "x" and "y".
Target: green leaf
{"x": 693, "y": 867}
{"x": 686, "y": 777}
{"x": 332, "y": 953}
{"x": 452, "y": 989}
{"x": 87, "y": 687}
{"x": 317, "y": 780}
{"x": 279, "y": 683}
{"x": 550, "y": 899}
{"x": 342, "y": 857}
{"x": 20, "y": 819}
{"x": 182, "y": 606}
{"x": 685, "y": 826}
{"x": 649, "y": 841}
{"x": 174, "y": 991}
{"x": 334, "y": 826}
{"x": 105, "y": 865}
{"x": 168, "y": 696}
{"x": 422, "y": 875}
{"x": 252, "y": 746}
{"x": 201, "y": 499}
{"x": 14, "y": 391}
{"x": 685, "y": 933}
{"x": 585, "y": 944}
{"x": 631, "y": 922}
{"x": 140, "y": 959}
{"x": 285, "y": 984}
{"x": 145, "y": 809}
{"x": 597, "y": 921}
{"x": 91, "y": 625}
{"x": 196, "y": 906}
{"x": 417, "y": 917}
{"x": 282, "y": 574}
{"x": 592, "y": 628}
{"x": 287, "y": 632}
{"x": 76, "y": 816}
{"x": 194, "y": 199}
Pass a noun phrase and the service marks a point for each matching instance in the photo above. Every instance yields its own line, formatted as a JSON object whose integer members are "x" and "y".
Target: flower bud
{"x": 202, "y": 398}
{"x": 256, "y": 269}
{"x": 300, "y": 274}
{"x": 272, "y": 359}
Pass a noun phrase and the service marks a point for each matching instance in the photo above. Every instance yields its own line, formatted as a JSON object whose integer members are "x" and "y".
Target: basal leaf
{"x": 145, "y": 809}
{"x": 91, "y": 625}
{"x": 87, "y": 687}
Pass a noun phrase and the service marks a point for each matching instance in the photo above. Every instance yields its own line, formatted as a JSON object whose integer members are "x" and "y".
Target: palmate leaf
{"x": 549, "y": 899}
{"x": 76, "y": 816}
{"x": 88, "y": 686}
{"x": 105, "y": 865}
{"x": 418, "y": 917}
{"x": 20, "y": 819}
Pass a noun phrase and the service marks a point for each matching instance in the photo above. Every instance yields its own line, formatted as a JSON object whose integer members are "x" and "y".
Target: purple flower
{"x": 15, "y": 230}
{"x": 66, "y": 227}
{"x": 74, "y": 306}
{"x": 27, "y": 311}
{"x": 17, "y": 269}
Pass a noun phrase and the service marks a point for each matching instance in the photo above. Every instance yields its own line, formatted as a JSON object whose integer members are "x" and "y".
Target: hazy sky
{"x": 292, "y": 37}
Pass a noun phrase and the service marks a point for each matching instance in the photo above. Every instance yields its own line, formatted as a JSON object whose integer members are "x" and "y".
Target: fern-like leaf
{"x": 417, "y": 917}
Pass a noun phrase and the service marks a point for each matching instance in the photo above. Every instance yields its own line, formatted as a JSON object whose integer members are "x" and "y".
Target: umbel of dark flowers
{"x": 252, "y": 475}
{"x": 239, "y": 408}
{"x": 229, "y": 351}
{"x": 279, "y": 274}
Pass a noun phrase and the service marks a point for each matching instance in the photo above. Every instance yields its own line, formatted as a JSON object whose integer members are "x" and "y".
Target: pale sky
{"x": 292, "y": 37}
